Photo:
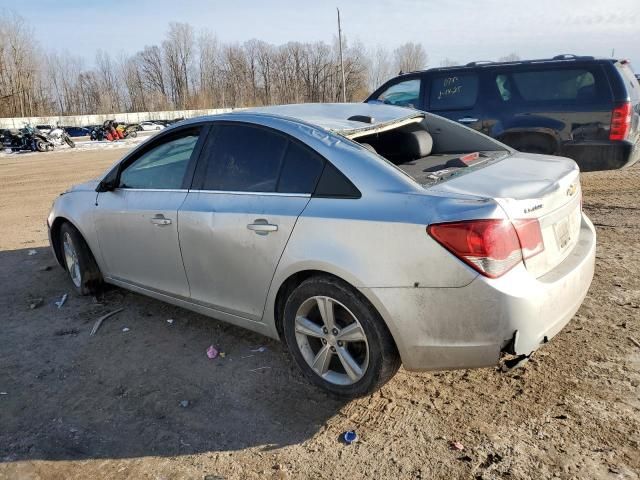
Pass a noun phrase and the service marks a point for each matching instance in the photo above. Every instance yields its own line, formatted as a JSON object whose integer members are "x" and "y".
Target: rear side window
{"x": 300, "y": 170}
{"x": 576, "y": 85}
{"x": 404, "y": 94}
{"x": 452, "y": 92}
{"x": 244, "y": 159}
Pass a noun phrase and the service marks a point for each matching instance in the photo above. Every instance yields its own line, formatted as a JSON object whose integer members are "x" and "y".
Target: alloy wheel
{"x": 71, "y": 259}
{"x": 331, "y": 340}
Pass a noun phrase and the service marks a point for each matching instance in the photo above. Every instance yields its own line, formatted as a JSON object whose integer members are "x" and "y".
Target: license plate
{"x": 563, "y": 233}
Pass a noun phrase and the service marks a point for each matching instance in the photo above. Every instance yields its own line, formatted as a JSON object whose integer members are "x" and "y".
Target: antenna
{"x": 344, "y": 88}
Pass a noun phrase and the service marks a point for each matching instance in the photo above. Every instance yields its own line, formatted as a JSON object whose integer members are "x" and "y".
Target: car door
{"x": 137, "y": 221}
{"x": 454, "y": 95}
{"x": 251, "y": 185}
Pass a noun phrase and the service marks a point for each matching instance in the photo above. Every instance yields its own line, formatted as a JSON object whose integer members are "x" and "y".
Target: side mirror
{"x": 106, "y": 186}
{"x": 109, "y": 182}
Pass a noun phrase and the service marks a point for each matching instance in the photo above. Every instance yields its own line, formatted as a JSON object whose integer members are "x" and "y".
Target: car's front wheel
{"x": 78, "y": 260}
{"x": 337, "y": 338}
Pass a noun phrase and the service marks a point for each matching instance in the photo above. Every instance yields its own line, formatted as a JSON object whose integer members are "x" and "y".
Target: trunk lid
{"x": 529, "y": 186}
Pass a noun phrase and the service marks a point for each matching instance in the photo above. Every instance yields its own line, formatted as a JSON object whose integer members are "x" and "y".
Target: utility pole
{"x": 344, "y": 88}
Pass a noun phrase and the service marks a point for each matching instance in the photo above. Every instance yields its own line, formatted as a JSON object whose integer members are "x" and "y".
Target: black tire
{"x": 383, "y": 359}
{"x": 69, "y": 142}
{"x": 533, "y": 144}
{"x": 133, "y": 133}
{"x": 90, "y": 278}
{"x": 40, "y": 145}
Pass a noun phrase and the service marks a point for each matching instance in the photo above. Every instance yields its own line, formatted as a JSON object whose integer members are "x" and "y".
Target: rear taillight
{"x": 492, "y": 247}
{"x": 620, "y": 122}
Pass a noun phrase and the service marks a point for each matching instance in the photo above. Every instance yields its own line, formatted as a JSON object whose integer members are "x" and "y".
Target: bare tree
{"x": 179, "y": 53}
{"x": 447, "y": 62}
{"x": 410, "y": 57}
{"x": 380, "y": 68}
{"x": 512, "y": 57}
{"x": 186, "y": 71}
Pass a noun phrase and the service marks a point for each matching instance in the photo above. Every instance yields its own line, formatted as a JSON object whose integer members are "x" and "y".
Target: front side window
{"x": 244, "y": 159}
{"x": 403, "y": 94}
{"x": 163, "y": 166}
{"x": 453, "y": 92}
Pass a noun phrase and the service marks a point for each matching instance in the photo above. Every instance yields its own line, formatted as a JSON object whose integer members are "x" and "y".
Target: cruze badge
{"x": 572, "y": 190}
{"x": 533, "y": 209}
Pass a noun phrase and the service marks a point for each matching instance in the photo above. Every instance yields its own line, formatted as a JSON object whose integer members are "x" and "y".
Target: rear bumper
{"x": 601, "y": 155}
{"x": 466, "y": 327}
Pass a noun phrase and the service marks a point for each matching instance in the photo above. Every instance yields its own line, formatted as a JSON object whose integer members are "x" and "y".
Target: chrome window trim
{"x": 177, "y": 190}
{"x": 269, "y": 194}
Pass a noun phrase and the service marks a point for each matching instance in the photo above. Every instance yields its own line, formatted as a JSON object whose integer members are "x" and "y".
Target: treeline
{"x": 188, "y": 70}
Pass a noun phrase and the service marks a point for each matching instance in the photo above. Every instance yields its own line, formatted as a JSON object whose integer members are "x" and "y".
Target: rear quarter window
{"x": 630, "y": 82}
{"x": 582, "y": 86}
{"x": 451, "y": 92}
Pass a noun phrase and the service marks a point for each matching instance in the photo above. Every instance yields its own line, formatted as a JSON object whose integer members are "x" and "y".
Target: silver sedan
{"x": 364, "y": 236}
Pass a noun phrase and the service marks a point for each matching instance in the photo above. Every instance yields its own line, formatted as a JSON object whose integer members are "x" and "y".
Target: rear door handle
{"x": 160, "y": 220}
{"x": 467, "y": 120}
{"x": 262, "y": 227}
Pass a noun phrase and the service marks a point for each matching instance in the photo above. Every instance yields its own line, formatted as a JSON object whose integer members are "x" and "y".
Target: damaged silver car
{"x": 364, "y": 236}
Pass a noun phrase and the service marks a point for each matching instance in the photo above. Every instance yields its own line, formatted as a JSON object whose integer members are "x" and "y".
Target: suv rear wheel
{"x": 338, "y": 339}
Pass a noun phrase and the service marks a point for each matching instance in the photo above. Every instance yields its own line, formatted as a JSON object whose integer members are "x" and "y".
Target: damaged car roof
{"x": 348, "y": 119}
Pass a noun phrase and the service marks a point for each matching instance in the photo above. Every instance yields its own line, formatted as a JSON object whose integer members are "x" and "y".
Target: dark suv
{"x": 584, "y": 108}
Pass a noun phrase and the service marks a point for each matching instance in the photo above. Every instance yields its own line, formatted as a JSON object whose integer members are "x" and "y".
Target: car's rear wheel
{"x": 79, "y": 262}
{"x": 337, "y": 338}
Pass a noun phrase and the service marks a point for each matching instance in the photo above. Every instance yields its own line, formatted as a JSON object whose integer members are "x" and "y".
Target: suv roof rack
{"x": 479, "y": 62}
{"x": 571, "y": 56}
{"x": 488, "y": 63}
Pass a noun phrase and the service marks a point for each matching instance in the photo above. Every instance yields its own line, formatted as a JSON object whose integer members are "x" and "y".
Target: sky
{"x": 460, "y": 30}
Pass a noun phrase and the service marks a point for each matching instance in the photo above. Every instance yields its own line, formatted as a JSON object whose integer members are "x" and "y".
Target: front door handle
{"x": 160, "y": 220}
{"x": 262, "y": 227}
{"x": 467, "y": 120}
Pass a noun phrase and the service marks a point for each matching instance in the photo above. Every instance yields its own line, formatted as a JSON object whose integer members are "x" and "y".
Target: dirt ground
{"x": 109, "y": 406}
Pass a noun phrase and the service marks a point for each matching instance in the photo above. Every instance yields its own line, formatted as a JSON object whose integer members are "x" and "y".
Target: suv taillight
{"x": 620, "y": 122}
{"x": 492, "y": 247}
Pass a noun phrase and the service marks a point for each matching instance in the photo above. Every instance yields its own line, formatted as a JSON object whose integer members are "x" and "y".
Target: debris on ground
{"x": 60, "y": 302}
{"x": 222, "y": 354}
{"x": 96, "y": 325}
{"x": 35, "y": 303}
{"x": 126, "y": 329}
{"x": 513, "y": 363}
{"x": 457, "y": 446}
{"x": 259, "y": 368}
{"x": 170, "y": 321}
{"x": 4, "y": 393}
{"x": 184, "y": 403}
{"x": 46, "y": 268}
{"x": 63, "y": 332}
{"x": 349, "y": 437}
{"x": 32, "y": 252}
{"x": 260, "y": 350}
{"x": 634, "y": 341}
{"x": 212, "y": 352}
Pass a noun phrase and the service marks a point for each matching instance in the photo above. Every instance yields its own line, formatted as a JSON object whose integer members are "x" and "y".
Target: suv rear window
{"x": 453, "y": 92}
{"x": 576, "y": 85}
